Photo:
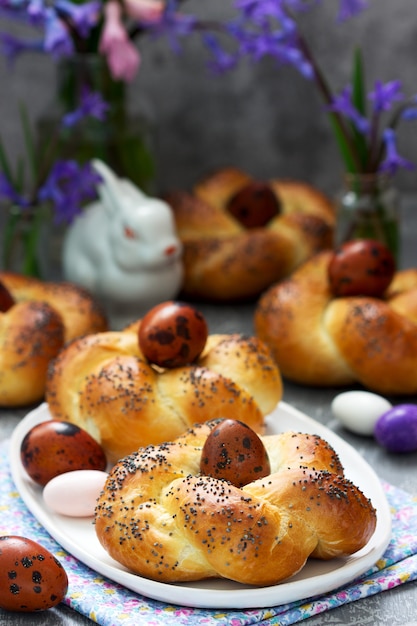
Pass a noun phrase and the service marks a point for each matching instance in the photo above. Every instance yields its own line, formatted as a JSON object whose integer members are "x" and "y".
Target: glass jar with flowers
{"x": 364, "y": 124}
{"x": 42, "y": 193}
{"x": 92, "y": 42}
{"x": 125, "y": 142}
{"x": 368, "y": 207}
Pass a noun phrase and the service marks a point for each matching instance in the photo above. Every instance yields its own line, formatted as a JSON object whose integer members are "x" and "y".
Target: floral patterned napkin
{"x": 110, "y": 604}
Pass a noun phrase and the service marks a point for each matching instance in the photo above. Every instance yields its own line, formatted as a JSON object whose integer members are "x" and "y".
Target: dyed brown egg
{"x": 53, "y": 447}
{"x": 254, "y": 205}
{"x": 31, "y": 578}
{"x": 172, "y": 334}
{"x": 362, "y": 267}
{"x": 6, "y": 298}
{"x": 234, "y": 452}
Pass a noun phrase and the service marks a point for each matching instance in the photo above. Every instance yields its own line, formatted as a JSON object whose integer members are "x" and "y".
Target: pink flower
{"x": 144, "y": 10}
{"x": 122, "y": 55}
{"x": 124, "y": 60}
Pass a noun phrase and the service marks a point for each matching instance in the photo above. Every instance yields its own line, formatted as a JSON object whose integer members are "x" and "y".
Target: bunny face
{"x": 143, "y": 236}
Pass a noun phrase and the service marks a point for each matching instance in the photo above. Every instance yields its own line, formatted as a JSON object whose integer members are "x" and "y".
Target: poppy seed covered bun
{"x": 162, "y": 519}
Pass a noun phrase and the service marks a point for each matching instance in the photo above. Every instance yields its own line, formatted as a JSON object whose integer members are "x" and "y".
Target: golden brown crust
{"x": 224, "y": 261}
{"x": 162, "y": 519}
{"x": 31, "y": 334}
{"x": 34, "y": 329}
{"x": 81, "y": 314}
{"x": 318, "y": 339}
{"x": 104, "y": 384}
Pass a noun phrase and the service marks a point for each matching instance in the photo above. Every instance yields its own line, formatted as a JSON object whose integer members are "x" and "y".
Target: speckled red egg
{"x": 254, "y": 205}
{"x": 234, "y": 452}
{"x": 53, "y": 447}
{"x": 361, "y": 267}
{"x": 172, "y": 334}
{"x": 31, "y": 578}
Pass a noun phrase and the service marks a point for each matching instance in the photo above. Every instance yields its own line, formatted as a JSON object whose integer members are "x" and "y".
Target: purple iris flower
{"x": 84, "y": 17}
{"x": 13, "y": 4}
{"x": 393, "y": 161}
{"x": 36, "y": 11}
{"x": 292, "y": 55}
{"x": 350, "y": 8}
{"x": 8, "y": 192}
{"x": 258, "y": 10}
{"x": 268, "y": 17}
{"x": 91, "y": 105}
{"x": 67, "y": 187}
{"x": 276, "y": 37}
{"x": 222, "y": 61}
{"x": 58, "y": 40}
{"x": 253, "y": 9}
{"x": 343, "y": 104}
{"x": 174, "y": 24}
{"x": 410, "y": 113}
{"x": 88, "y": 182}
{"x": 13, "y": 47}
{"x": 385, "y": 94}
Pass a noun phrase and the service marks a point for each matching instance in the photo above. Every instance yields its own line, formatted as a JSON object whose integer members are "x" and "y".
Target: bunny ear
{"x": 109, "y": 190}
{"x": 131, "y": 190}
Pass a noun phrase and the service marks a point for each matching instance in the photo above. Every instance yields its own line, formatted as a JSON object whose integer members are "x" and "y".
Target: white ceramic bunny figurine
{"x": 124, "y": 248}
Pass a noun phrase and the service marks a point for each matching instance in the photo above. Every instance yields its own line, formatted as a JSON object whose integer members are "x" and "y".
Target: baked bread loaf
{"x": 162, "y": 519}
{"x": 42, "y": 318}
{"x": 322, "y": 340}
{"x": 224, "y": 260}
{"x": 79, "y": 311}
{"x": 103, "y": 384}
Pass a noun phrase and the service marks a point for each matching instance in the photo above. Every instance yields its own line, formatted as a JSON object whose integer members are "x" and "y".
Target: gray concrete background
{"x": 264, "y": 119}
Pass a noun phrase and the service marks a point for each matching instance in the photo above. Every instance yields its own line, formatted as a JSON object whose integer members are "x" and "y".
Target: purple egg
{"x": 396, "y": 430}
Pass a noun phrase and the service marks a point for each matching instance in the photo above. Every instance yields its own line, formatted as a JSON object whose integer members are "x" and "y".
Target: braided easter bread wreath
{"x": 161, "y": 518}
{"x": 79, "y": 311}
{"x": 39, "y": 319}
{"x": 104, "y": 384}
{"x": 319, "y": 339}
{"x": 236, "y": 255}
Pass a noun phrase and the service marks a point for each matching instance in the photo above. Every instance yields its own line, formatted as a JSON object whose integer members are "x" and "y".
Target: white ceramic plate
{"x": 78, "y": 537}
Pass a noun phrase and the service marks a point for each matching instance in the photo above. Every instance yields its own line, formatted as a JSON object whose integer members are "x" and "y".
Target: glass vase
{"x": 30, "y": 242}
{"x": 20, "y": 250}
{"x": 369, "y": 208}
{"x": 124, "y": 140}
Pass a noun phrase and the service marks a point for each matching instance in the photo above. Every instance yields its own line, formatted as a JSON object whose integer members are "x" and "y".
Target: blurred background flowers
{"x": 363, "y": 115}
{"x": 200, "y": 117}
{"x": 262, "y": 116}
{"x": 92, "y": 44}
{"x": 65, "y": 28}
{"x": 270, "y": 29}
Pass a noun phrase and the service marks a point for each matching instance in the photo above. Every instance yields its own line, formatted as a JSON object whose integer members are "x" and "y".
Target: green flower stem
{"x": 21, "y": 239}
{"x": 47, "y": 158}
{"x": 359, "y": 101}
{"x": 348, "y": 150}
{"x": 9, "y": 235}
{"x": 30, "y": 239}
{"x": 376, "y": 152}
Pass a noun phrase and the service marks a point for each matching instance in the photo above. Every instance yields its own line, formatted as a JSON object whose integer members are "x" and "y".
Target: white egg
{"x": 74, "y": 493}
{"x": 359, "y": 411}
